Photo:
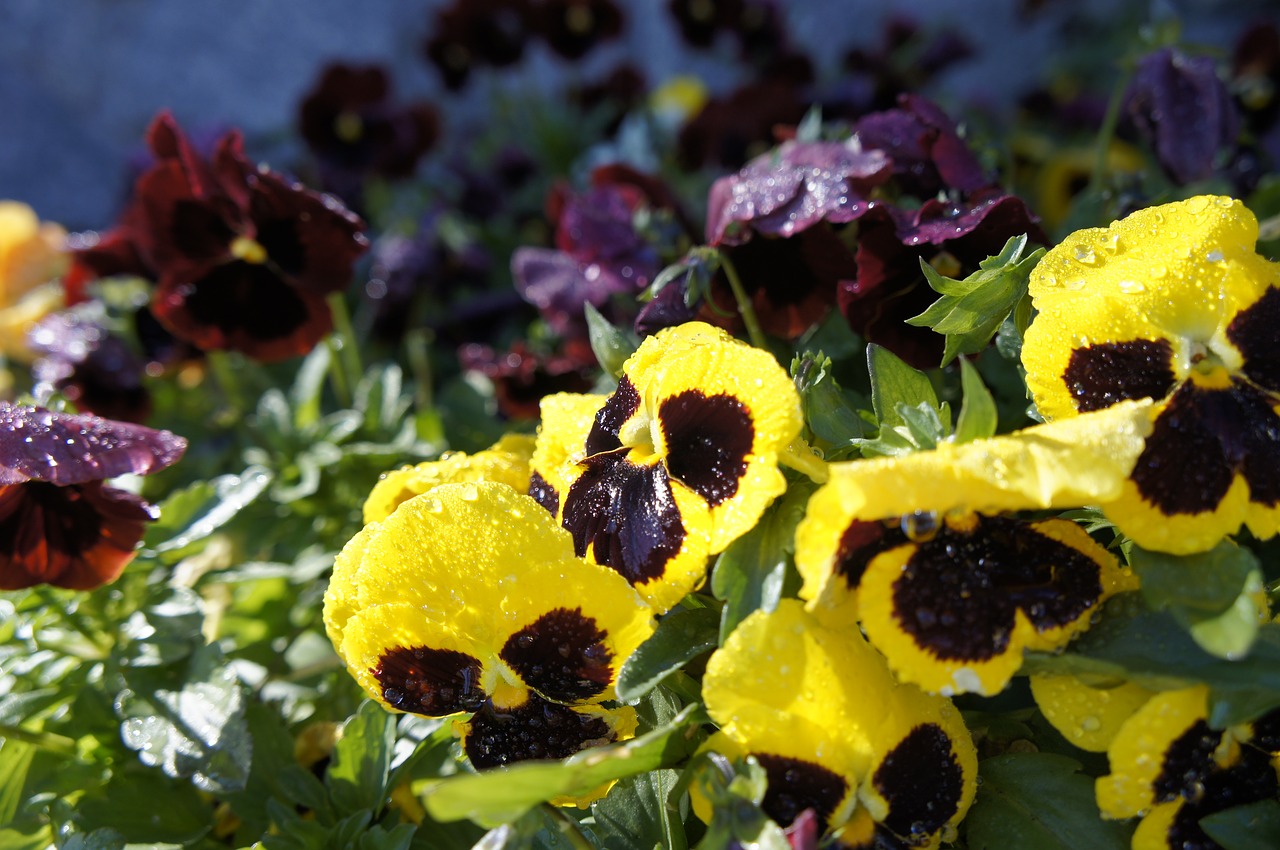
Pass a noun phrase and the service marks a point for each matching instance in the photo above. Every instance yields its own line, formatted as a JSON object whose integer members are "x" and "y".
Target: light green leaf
{"x": 15, "y": 762}
{"x": 357, "y": 776}
{"x": 683, "y": 634}
{"x": 894, "y": 383}
{"x": 612, "y": 345}
{"x": 189, "y": 516}
{"x": 978, "y": 417}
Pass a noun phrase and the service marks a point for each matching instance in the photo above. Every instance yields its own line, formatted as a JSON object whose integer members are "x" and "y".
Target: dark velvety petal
{"x": 620, "y": 407}
{"x": 1104, "y": 374}
{"x": 536, "y": 730}
{"x": 928, "y": 155}
{"x": 708, "y": 439}
{"x": 1187, "y": 762}
{"x": 63, "y": 448}
{"x": 796, "y": 785}
{"x": 560, "y": 285}
{"x": 1251, "y": 780}
{"x": 573, "y": 27}
{"x": 922, "y": 781}
{"x": 959, "y": 591}
{"x": 543, "y": 493}
{"x": 172, "y": 227}
{"x": 78, "y": 536}
{"x": 1253, "y": 331}
{"x": 974, "y": 228}
{"x": 92, "y": 367}
{"x": 562, "y": 656}
{"x": 860, "y": 543}
{"x": 1185, "y": 111}
{"x": 431, "y": 682}
{"x": 666, "y": 310}
{"x": 626, "y": 515}
{"x": 522, "y": 377}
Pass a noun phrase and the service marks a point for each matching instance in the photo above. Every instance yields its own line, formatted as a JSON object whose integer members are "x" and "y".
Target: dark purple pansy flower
{"x": 522, "y": 377}
{"x": 58, "y": 524}
{"x": 927, "y": 152}
{"x": 778, "y": 220}
{"x": 904, "y": 61}
{"x": 1255, "y": 79}
{"x": 731, "y": 129}
{"x": 1185, "y": 112}
{"x": 352, "y": 126}
{"x": 471, "y": 33}
{"x": 573, "y": 27}
{"x": 97, "y": 370}
{"x": 700, "y": 21}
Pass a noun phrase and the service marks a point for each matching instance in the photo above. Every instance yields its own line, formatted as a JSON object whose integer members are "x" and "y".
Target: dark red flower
{"x": 927, "y": 152}
{"x": 573, "y": 27}
{"x": 731, "y": 129}
{"x": 700, "y": 21}
{"x": 59, "y": 524}
{"x": 352, "y": 126}
{"x": 242, "y": 257}
{"x": 92, "y": 367}
{"x": 522, "y": 376}
{"x": 472, "y": 33}
{"x": 905, "y": 60}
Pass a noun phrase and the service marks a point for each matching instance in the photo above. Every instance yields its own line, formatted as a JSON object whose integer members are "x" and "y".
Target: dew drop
{"x": 1086, "y": 255}
{"x": 1090, "y": 723}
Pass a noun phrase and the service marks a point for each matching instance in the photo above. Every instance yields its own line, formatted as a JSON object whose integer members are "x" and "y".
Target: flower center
{"x": 249, "y": 250}
{"x": 348, "y": 126}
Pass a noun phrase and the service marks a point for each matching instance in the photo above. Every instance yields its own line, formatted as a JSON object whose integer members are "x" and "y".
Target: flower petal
{"x": 1089, "y": 717}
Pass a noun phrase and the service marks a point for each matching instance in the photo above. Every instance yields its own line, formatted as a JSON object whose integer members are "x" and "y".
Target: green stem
{"x": 745, "y": 309}
{"x": 567, "y": 828}
{"x": 345, "y": 368}
{"x": 48, "y": 741}
{"x": 224, "y": 375}
{"x": 1107, "y": 132}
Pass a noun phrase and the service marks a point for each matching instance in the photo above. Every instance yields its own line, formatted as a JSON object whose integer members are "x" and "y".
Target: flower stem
{"x": 745, "y": 309}
{"x": 47, "y": 741}
{"x": 567, "y": 828}
{"x": 1107, "y": 132}
{"x": 345, "y": 367}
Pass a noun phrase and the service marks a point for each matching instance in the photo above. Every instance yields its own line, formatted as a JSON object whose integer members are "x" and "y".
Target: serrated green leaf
{"x": 830, "y": 411}
{"x": 635, "y": 815}
{"x": 894, "y": 383}
{"x": 681, "y": 636}
{"x": 504, "y": 794}
{"x": 978, "y": 417}
{"x": 1039, "y": 801}
{"x": 357, "y": 775}
{"x": 612, "y": 345}
{"x": 15, "y": 839}
{"x": 190, "y": 515}
{"x": 1252, "y": 827}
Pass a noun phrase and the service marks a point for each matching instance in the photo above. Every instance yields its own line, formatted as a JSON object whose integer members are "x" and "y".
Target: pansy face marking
{"x": 1172, "y": 304}
{"x": 678, "y": 463}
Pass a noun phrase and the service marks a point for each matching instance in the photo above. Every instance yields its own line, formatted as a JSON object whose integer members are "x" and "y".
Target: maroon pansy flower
{"x": 573, "y": 27}
{"x": 472, "y": 33}
{"x": 95, "y": 369}
{"x": 927, "y": 152}
{"x": 352, "y": 126}
{"x": 779, "y": 221}
{"x": 731, "y": 129}
{"x": 906, "y": 59}
{"x": 700, "y": 21}
{"x": 522, "y": 377}
{"x": 59, "y": 524}
{"x": 242, "y": 257}
{"x": 1185, "y": 112}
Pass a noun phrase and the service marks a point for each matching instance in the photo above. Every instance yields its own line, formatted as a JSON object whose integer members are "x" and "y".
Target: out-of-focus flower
{"x": 59, "y": 524}
{"x": 97, "y": 370}
{"x": 882, "y": 765}
{"x": 472, "y": 33}
{"x": 1255, "y": 81}
{"x": 573, "y": 28}
{"x": 32, "y": 256}
{"x": 521, "y": 376}
{"x": 505, "y": 462}
{"x": 917, "y": 549}
{"x": 679, "y": 462}
{"x": 469, "y": 600}
{"x": 1171, "y": 303}
{"x": 1169, "y": 767}
{"x": 731, "y": 129}
{"x": 354, "y": 129}
{"x": 778, "y": 222}
{"x": 613, "y": 95}
{"x": 905, "y": 61}
{"x": 243, "y": 258}
{"x": 1185, "y": 112}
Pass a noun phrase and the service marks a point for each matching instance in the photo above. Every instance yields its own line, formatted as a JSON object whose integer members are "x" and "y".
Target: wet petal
{"x": 1088, "y": 716}
{"x": 1253, "y": 333}
{"x": 542, "y": 730}
{"x": 566, "y": 421}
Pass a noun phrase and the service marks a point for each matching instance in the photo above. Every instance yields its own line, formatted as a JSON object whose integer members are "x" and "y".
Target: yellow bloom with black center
{"x": 468, "y": 599}
{"x": 505, "y": 462}
{"x": 915, "y": 548}
{"x": 878, "y": 762}
{"x": 1171, "y": 303}
{"x": 680, "y": 461}
{"x": 1171, "y": 769}
{"x": 565, "y": 420}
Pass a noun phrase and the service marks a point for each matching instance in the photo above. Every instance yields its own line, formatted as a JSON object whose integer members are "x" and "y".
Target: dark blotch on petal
{"x": 1187, "y": 762}
{"x": 959, "y": 592}
{"x": 432, "y": 682}
{"x": 708, "y": 440}
{"x": 922, "y": 781}
{"x": 796, "y": 785}
{"x": 1253, "y": 331}
{"x": 1102, "y": 375}
{"x": 620, "y": 407}
{"x": 536, "y": 730}
{"x": 237, "y": 304}
{"x": 544, "y": 494}
{"x": 861, "y": 542}
{"x": 626, "y": 514}
{"x": 561, "y": 655}
{"x": 1250, "y": 780}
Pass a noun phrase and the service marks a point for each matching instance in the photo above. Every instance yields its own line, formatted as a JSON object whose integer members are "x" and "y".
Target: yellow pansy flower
{"x": 32, "y": 256}
{"x": 1171, "y": 303}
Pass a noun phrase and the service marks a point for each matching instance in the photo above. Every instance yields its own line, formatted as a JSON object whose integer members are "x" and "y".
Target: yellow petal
{"x": 1089, "y": 716}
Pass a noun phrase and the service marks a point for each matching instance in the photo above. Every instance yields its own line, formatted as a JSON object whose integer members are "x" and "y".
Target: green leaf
{"x": 196, "y": 730}
{"x": 504, "y": 794}
{"x": 682, "y": 635}
{"x": 166, "y": 628}
{"x": 1151, "y": 648}
{"x": 830, "y": 411}
{"x": 978, "y": 417}
{"x": 1252, "y": 827}
{"x": 189, "y": 516}
{"x": 735, "y": 791}
{"x": 145, "y": 807}
{"x": 1216, "y": 595}
{"x": 15, "y": 839}
{"x": 612, "y": 345}
{"x": 357, "y": 775}
{"x": 971, "y": 311}
{"x": 15, "y": 762}
{"x": 100, "y": 839}
{"x": 308, "y": 386}
{"x": 1038, "y": 801}
{"x": 636, "y": 814}
{"x": 750, "y": 573}
{"x": 905, "y": 405}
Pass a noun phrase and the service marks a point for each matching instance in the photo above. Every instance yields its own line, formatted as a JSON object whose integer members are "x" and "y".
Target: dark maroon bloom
{"x": 58, "y": 524}
{"x": 521, "y": 376}
{"x": 472, "y": 33}
{"x": 352, "y": 126}
{"x": 573, "y": 27}
{"x": 905, "y": 60}
{"x": 612, "y": 96}
{"x": 928, "y": 154}
{"x": 1185, "y": 112}
{"x": 700, "y": 21}
{"x": 730, "y": 130}
{"x": 242, "y": 257}
{"x": 778, "y": 222}
{"x": 1255, "y": 79}
{"x": 94, "y": 368}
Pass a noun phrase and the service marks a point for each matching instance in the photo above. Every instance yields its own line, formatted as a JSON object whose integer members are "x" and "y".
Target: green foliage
{"x": 906, "y": 406}
{"x": 735, "y": 791}
{"x": 1252, "y": 827}
{"x": 612, "y": 345}
{"x": 682, "y": 635}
